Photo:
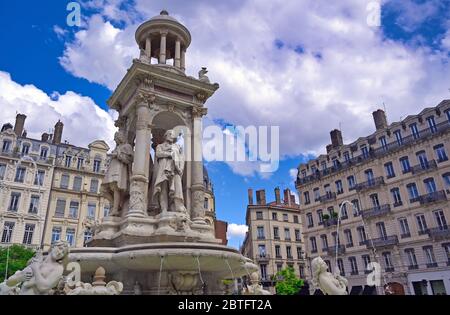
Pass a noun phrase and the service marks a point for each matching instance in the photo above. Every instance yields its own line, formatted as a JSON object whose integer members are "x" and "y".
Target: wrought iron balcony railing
{"x": 433, "y": 197}
{"x": 438, "y": 233}
{"x": 424, "y": 167}
{"x": 372, "y": 183}
{"x": 328, "y": 197}
{"x": 376, "y": 211}
{"x": 382, "y": 241}
{"x": 331, "y": 250}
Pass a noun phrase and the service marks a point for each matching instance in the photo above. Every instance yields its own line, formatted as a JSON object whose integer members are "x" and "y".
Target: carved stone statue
{"x": 202, "y": 75}
{"x": 40, "y": 276}
{"x": 328, "y": 283}
{"x": 255, "y": 288}
{"x": 116, "y": 180}
{"x": 168, "y": 173}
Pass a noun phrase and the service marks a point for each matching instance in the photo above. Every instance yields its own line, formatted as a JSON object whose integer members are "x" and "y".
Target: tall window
{"x": 351, "y": 182}
{"x": 288, "y": 251}
{"x": 68, "y": 161}
{"x": 28, "y": 235}
{"x": 364, "y": 151}
{"x": 404, "y": 227}
{"x": 259, "y": 215}
{"x": 97, "y": 166}
{"x": 34, "y": 204}
{"x": 309, "y": 217}
{"x": 440, "y": 219}
{"x": 25, "y": 149}
{"x": 398, "y": 137}
{"x": 430, "y": 185}
{"x": 432, "y": 124}
{"x": 313, "y": 245}
{"x": 340, "y": 264}
{"x": 343, "y": 209}
{"x": 60, "y": 208}
{"x": 20, "y": 174}
{"x": 339, "y": 187}
{"x": 446, "y": 178}
{"x": 429, "y": 254}
{"x": 412, "y": 192}
{"x": 274, "y": 216}
{"x": 64, "y": 181}
{"x": 7, "y": 234}
{"x": 306, "y": 195}
{"x": 349, "y": 238}
{"x": 362, "y": 235}
{"x": 387, "y": 257}
{"x": 375, "y": 200}
{"x": 206, "y": 204}
{"x": 70, "y": 237}
{"x": 422, "y": 159}
{"x": 421, "y": 223}
{"x": 73, "y": 210}
{"x": 295, "y": 218}
{"x": 262, "y": 250}
{"x": 299, "y": 253}
{"x": 406, "y": 167}
{"x": 14, "y": 202}
{"x": 316, "y": 194}
{"x": 383, "y": 142}
{"x": 353, "y": 265}
{"x": 77, "y": 183}
{"x": 389, "y": 167}
{"x": 287, "y": 234}
{"x": 44, "y": 153}
{"x": 414, "y": 131}
{"x": 87, "y": 236}
{"x": 346, "y": 156}
{"x": 277, "y": 251}
{"x": 297, "y": 235}
{"x": 94, "y": 186}
{"x": 106, "y": 209}
{"x": 323, "y": 164}
{"x": 80, "y": 162}
{"x": 320, "y": 216}
{"x": 6, "y": 146}
{"x": 369, "y": 176}
{"x": 356, "y": 208}
{"x": 39, "y": 178}
{"x": 366, "y": 261}
{"x": 263, "y": 269}
{"x": 412, "y": 260}
{"x": 324, "y": 239}
{"x": 396, "y": 196}
{"x": 285, "y": 217}
{"x": 446, "y": 247}
{"x": 381, "y": 228}
{"x": 335, "y": 163}
{"x": 276, "y": 232}
{"x": 440, "y": 153}
{"x": 91, "y": 210}
{"x": 56, "y": 234}
{"x": 2, "y": 171}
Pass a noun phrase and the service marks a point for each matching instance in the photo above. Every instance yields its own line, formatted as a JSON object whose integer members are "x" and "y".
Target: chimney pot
{"x": 20, "y": 124}
{"x": 380, "y": 119}
{"x": 336, "y": 138}
{"x": 57, "y": 137}
{"x": 277, "y": 196}
{"x": 250, "y": 196}
{"x": 287, "y": 196}
{"x": 261, "y": 197}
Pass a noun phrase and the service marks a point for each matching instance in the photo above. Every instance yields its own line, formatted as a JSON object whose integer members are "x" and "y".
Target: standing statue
{"x": 116, "y": 180}
{"x": 325, "y": 281}
{"x": 40, "y": 276}
{"x": 169, "y": 168}
{"x": 202, "y": 75}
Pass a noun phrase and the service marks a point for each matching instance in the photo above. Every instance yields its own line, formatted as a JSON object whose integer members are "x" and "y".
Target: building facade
{"x": 274, "y": 239}
{"x": 391, "y": 189}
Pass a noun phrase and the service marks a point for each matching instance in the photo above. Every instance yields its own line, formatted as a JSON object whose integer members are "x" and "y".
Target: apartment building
{"x": 391, "y": 189}
{"x": 274, "y": 239}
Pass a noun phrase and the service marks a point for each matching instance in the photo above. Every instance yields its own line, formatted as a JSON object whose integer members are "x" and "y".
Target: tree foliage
{"x": 288, "y": 283}
{"x": 18, "y": 258}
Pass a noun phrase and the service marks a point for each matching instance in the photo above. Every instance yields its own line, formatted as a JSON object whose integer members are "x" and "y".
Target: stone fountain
{"x": 156, "y": 237}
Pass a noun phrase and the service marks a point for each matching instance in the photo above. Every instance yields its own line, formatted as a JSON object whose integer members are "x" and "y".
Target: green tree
{"x": 18, "y": 258}
{"x": 288, "y": 283}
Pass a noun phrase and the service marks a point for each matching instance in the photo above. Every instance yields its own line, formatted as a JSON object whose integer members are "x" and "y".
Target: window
{"x": 297, "y": 235}
{"x": 310, "y": 220}
{"x": 349, "y": 238}
{"x": 44, "y": 153}
{"x": 56, "y": 234}
{"x": 320, "y": 216}
{"x": 34, "y": 204}
{"x": 80, "y": 162}
{"x": 336, "y": 239}
{"x": 39, "y": 178}
{"x": 432, "y": 124}
{"x": 206, "y": 204}
{"x": 330, "y": 211}
{"x": 406, "y": 167}
{"x": 381, "y": 228}
{"x": 259, "y": 215}
{"x": 68, "y": 161}
{"x": 288, "y": 252}
{"x": 404, "y": 227}
{"x": 422, "y": 159}
{"x": 440, "y": 219}
{"x": 339, "y": 187}
{"x": 383, "y": 142}
{"x": 7, "y": 234}
{"x": 446, "y": 178}
{"x": 70, "y": 237}
{"x": 6, "y": 146}
{"x": 87, "y": 236}
{"x": 343, "y": 209}
{"x": 390, "y": 173}
{"x": 304, "y": 173}
{"x": 2, "y": 171}
{"x": 414, "y": 131}
{"x": 276, "y": 232}
{"x": 313, "y": 170}
{"x": 346, "y": 156}
{"x": 430, "y": 185}
{"x": 20, "y": 174}
{"x": 356, "y": 208}
{"x": 362, "y": 235}
{"x": 353, "y": 265}
{"x": 398, "y": 137}
{"x": 77, "y": 183}
{"x": 64, "y": 181}
{"x": 60, "y": 208}
{"x": 299, "y": 253}
{"x": 313, "y": 245}
{"x": 92, "y": 207}
{"x": 295, "y": 218}
{"x": 429, "y": 254}
{"x": 287, "y": 234}
{"x": 316, "y": 194}
{"x": 446, "y": 247}
{"x": 274, "y": 216}
{"x": 28, "y": 235}
{"x": 396, "y": 196}
{"x": 323, "y": 164}
{"x": 411, "y": 256}
{"x": 285, "y": 217}
{"x": 366, "y": 261}
{"x": 262, "y": 250}
{"x": 94, "y": 186}
{"x": 340, "y": 264}
{"x": 335, "y": 163}
{"x": 279, "y": 267}
{"x": 73, "y": 210}
{"x": 421, "y": 224}
{"x": 324, "y": 239}
{"x": 364, "y": 151}
{"x": 375, "y": 200}
{"x": 327, "y": 189}
{"x": 263, "y": 269}
{"x": 277, "y": 251}
{"x": 328, "y": 265}
{"x": 440, "y": 153}
{"x": 106, "y": 209}
{"x": 387, "y": 257}
{"x": 351, "y": 182}
{"x": 306, "y": 195}
{"x": 369, "y": 176}
{"x": 97, "y": 166}
{"x": 14, "y": 202}
{"x": 301, "y": 270}
{"x": 25, "y": 149}
{"x": 412, "y": 192}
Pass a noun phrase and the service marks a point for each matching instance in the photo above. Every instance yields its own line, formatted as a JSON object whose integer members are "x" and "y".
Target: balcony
{"x": 330, "y": 196}
{"x": 436, "y": 196}
{"x": 432, "y": 265}
{"x": 262, "y": 257}
{"x": 388, "y": 241}
{"x": 331, "y": 250}
{"x": 376, "y": 211}
{"x": 439, "y": 233}
{"x": 330, "y": 222}
{"x": 370, "y": 184}
{"x": 422, "y": 168}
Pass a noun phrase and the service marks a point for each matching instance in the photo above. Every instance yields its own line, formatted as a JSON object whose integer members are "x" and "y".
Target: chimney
{"x": 20, "y": 123}
{"x": 261, "y": 197}
{"x": 336, "y": 138}
{"x": 58, "y": 132}
{"x": 287, "y": 197}
{"x": 380, "y": 119}
{"x": 293, "y": 200}
{"x": 44, "y": 137}
{"x": 250, "y": 197}
{"x": 277, "y": 196}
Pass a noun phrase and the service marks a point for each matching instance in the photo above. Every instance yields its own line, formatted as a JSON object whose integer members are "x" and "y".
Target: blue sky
{"x": 306, "y": 66}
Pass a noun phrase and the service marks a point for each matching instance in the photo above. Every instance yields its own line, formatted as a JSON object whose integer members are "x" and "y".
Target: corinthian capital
{"x": 199, "y": 112}
{"x": 145, "y": 98}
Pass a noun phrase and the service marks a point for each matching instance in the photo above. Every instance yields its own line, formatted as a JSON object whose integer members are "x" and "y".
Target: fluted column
{"x": 177, "y": 54}
{"x": 162, "y": 50}
{"x": 148, "y": 48}
{"x": 197, "y": 188}
{"x": 139, "y": 178}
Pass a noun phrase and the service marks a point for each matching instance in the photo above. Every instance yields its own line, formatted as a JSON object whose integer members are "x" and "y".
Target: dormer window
{"x": 97, "y": 166}
{"x": 346, "y": 156}
{"x": 25, "y": 149}
{"x": 68, "y": 161}
{"x": 6, "y": 146}
{"x": 44, "y": 153}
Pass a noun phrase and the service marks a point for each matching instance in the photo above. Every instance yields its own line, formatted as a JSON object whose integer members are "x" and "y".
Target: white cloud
{"x": 237, "y": 230}
{"x": 83, "y": 120}
{"x": 293, "y": 173}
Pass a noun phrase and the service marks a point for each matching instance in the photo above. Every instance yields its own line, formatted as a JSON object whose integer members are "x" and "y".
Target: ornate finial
{"x": 164, "y": 12}
{"x": 99, "y": 277}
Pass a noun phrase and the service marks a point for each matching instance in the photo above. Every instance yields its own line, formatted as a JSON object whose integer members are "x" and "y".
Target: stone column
{"x": 183, "y": 60}
{"x": 197, "y": 188}
{"x": 177, "y": 54}
{"x": 162, "y": 50}
{"x": 139, "y": 178}
{"x": 148, "y": 48}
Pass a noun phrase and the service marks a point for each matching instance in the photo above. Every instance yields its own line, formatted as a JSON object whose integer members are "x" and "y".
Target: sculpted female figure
{"x": 42, "y": 273}
{"x": 116, "y": 178}
{"x": 328, "y": 283}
